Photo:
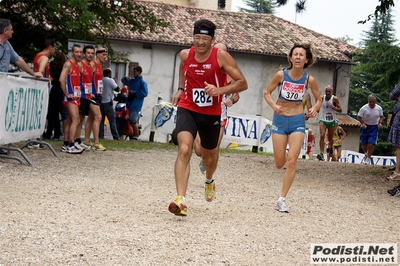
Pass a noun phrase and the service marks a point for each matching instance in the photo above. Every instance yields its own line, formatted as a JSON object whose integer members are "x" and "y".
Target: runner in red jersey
{"x": 92, "y": 107}
{"x": 201, "y": 88}
{"x": 70, "y": 80}
{"x": 41, "y": 60}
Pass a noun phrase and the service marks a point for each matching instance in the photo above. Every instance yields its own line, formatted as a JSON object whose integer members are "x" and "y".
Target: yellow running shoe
{"x": 100, "y": 147}
{"x": 86, "y": 145}
{"x": 178, "y": 206}
{"x": 209, "y": 191}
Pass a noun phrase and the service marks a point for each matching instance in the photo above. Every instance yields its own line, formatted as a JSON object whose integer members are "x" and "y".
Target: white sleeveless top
{"x": 327, "y": 113}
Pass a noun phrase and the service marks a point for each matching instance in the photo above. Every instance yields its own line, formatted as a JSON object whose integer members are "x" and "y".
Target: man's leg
{"x": 322, "y": 132}
{"x": 182, "y": 163}
{"x": 112, "y": 121}
{"x": 370, "y": 150}
{"x": 103, "y": 117}
{"x": 135, "y": 128}
{"x": 73, "y": 115}
{"x": 331, "y": 132}
{"x": 95, "y": 120}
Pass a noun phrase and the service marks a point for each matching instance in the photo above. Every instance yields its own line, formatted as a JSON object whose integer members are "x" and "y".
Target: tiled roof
{"x": 345, "y": 120}
{"x": 243, "y": 32}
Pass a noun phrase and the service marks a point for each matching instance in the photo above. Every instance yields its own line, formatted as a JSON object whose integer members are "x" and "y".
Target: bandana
{"x": 203, "y": 31}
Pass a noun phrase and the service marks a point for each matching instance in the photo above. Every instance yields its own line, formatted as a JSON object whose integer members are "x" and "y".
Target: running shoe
{"x": 364, "y": 159}
{"x": 281, "y": 205}
{"x": 320, "y": 157}
{"x": 74, "y": 150}
{"x": 178, "y": 206}
{"x": 202, "y": 167}
{"x": 99, "y": 147}
{"x": 36, "y": 146}
{"x": 394, "y": 190}
{"x": 86, "y": 146}
{"x": 64, "y": 148}
{"x": 78, "y": 146}
{"x": 397, "y": 193}
{"x": 209, "y": 191}
{"x": 330, "y": 152}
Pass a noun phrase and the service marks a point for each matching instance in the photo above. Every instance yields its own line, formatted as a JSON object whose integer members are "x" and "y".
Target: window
{"x": 118, "y": 71}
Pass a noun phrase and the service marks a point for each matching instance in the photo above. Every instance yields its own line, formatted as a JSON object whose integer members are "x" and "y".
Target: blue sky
{"x": 335, "y": 18}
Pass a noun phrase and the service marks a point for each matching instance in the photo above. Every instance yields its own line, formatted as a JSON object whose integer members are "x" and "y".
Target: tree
{"x": 90, "y": 20}
{"x": 382, "y": 8}
{"x": 376, "y": 71}
{"x": 259, "y": 6}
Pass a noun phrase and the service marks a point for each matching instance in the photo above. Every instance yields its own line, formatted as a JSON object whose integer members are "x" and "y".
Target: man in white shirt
{"x": 106, "y": 106}
{"x": 370, "y": 117}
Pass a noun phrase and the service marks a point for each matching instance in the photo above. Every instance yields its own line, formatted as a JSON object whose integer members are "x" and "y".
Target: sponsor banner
{"x": 354, "y": 253}
{"x": 242, "y": 130}
{"x": 245, "y": 132}
{"x": 23, "y": 108}
{"x": 163, "y": 121}
{"x": 355, "y": 157}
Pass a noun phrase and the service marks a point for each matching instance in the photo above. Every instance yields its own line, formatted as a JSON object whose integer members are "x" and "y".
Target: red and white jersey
{"x": 46, "y": 73}
{"x": 98, "y": 79}
{"x": 194, "y": 98}
{"x": 87, "y": 81}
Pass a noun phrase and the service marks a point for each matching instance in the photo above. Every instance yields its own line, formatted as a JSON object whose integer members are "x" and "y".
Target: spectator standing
{"x": 338, "y": 138}
{"x": 56, "y": 107}
{"x": 310, "y": 141}
{"x": 328, "y": 121}
{"x": 138, "y": 90}
{"x": 370, "y": 117}
{"x": 41, "y": 60}
{"x": 41, "y": 64}
{"x": 70, "y": 81}
{"x": 107, "y": 107}
{"x": 202, "y": 75}
{"x": 394, "y": 137}
{"x": 288, "y": 124}
{"x": 8, "y": 55}
{"x": 89, "y": 107}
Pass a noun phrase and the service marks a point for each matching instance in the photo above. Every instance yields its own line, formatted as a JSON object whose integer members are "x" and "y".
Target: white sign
{"x": 23, "y": 108}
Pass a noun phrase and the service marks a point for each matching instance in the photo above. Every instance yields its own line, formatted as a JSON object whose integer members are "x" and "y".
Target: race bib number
{"x": 100, "y": 87}
{"x": 201, "y": 98}
{"x": 77, "y": 91}
{"x": 88, "y": 88}
{"x": 292, "y": 92}
{"x": 328, "y": 116}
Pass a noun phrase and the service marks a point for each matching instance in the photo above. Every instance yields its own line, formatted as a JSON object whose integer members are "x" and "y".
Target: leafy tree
{"x": 382, "y": 8}
{"x": 376, "y": 71}
{"x": 259, "y": 6}
{"x": 90, "y": 20}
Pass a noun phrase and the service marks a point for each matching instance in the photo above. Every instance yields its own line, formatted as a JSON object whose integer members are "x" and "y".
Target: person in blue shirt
{"x": 138, "y": 90}
{"x": 7, "y": 53}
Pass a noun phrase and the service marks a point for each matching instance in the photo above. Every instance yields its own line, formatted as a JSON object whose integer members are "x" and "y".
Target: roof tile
{"x": 242, "y": 32}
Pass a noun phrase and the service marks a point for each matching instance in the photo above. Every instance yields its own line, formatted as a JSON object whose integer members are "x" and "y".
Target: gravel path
{"x": 110, "y": 208}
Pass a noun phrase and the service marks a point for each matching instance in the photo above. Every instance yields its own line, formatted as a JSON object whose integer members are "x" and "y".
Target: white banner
{"x": 356, "y": 157}
{"x": 242, "y": 130}
{"x": 23, "y": 108}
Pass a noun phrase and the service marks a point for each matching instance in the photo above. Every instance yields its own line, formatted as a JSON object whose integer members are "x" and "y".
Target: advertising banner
{"x": 23, "y": 108}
